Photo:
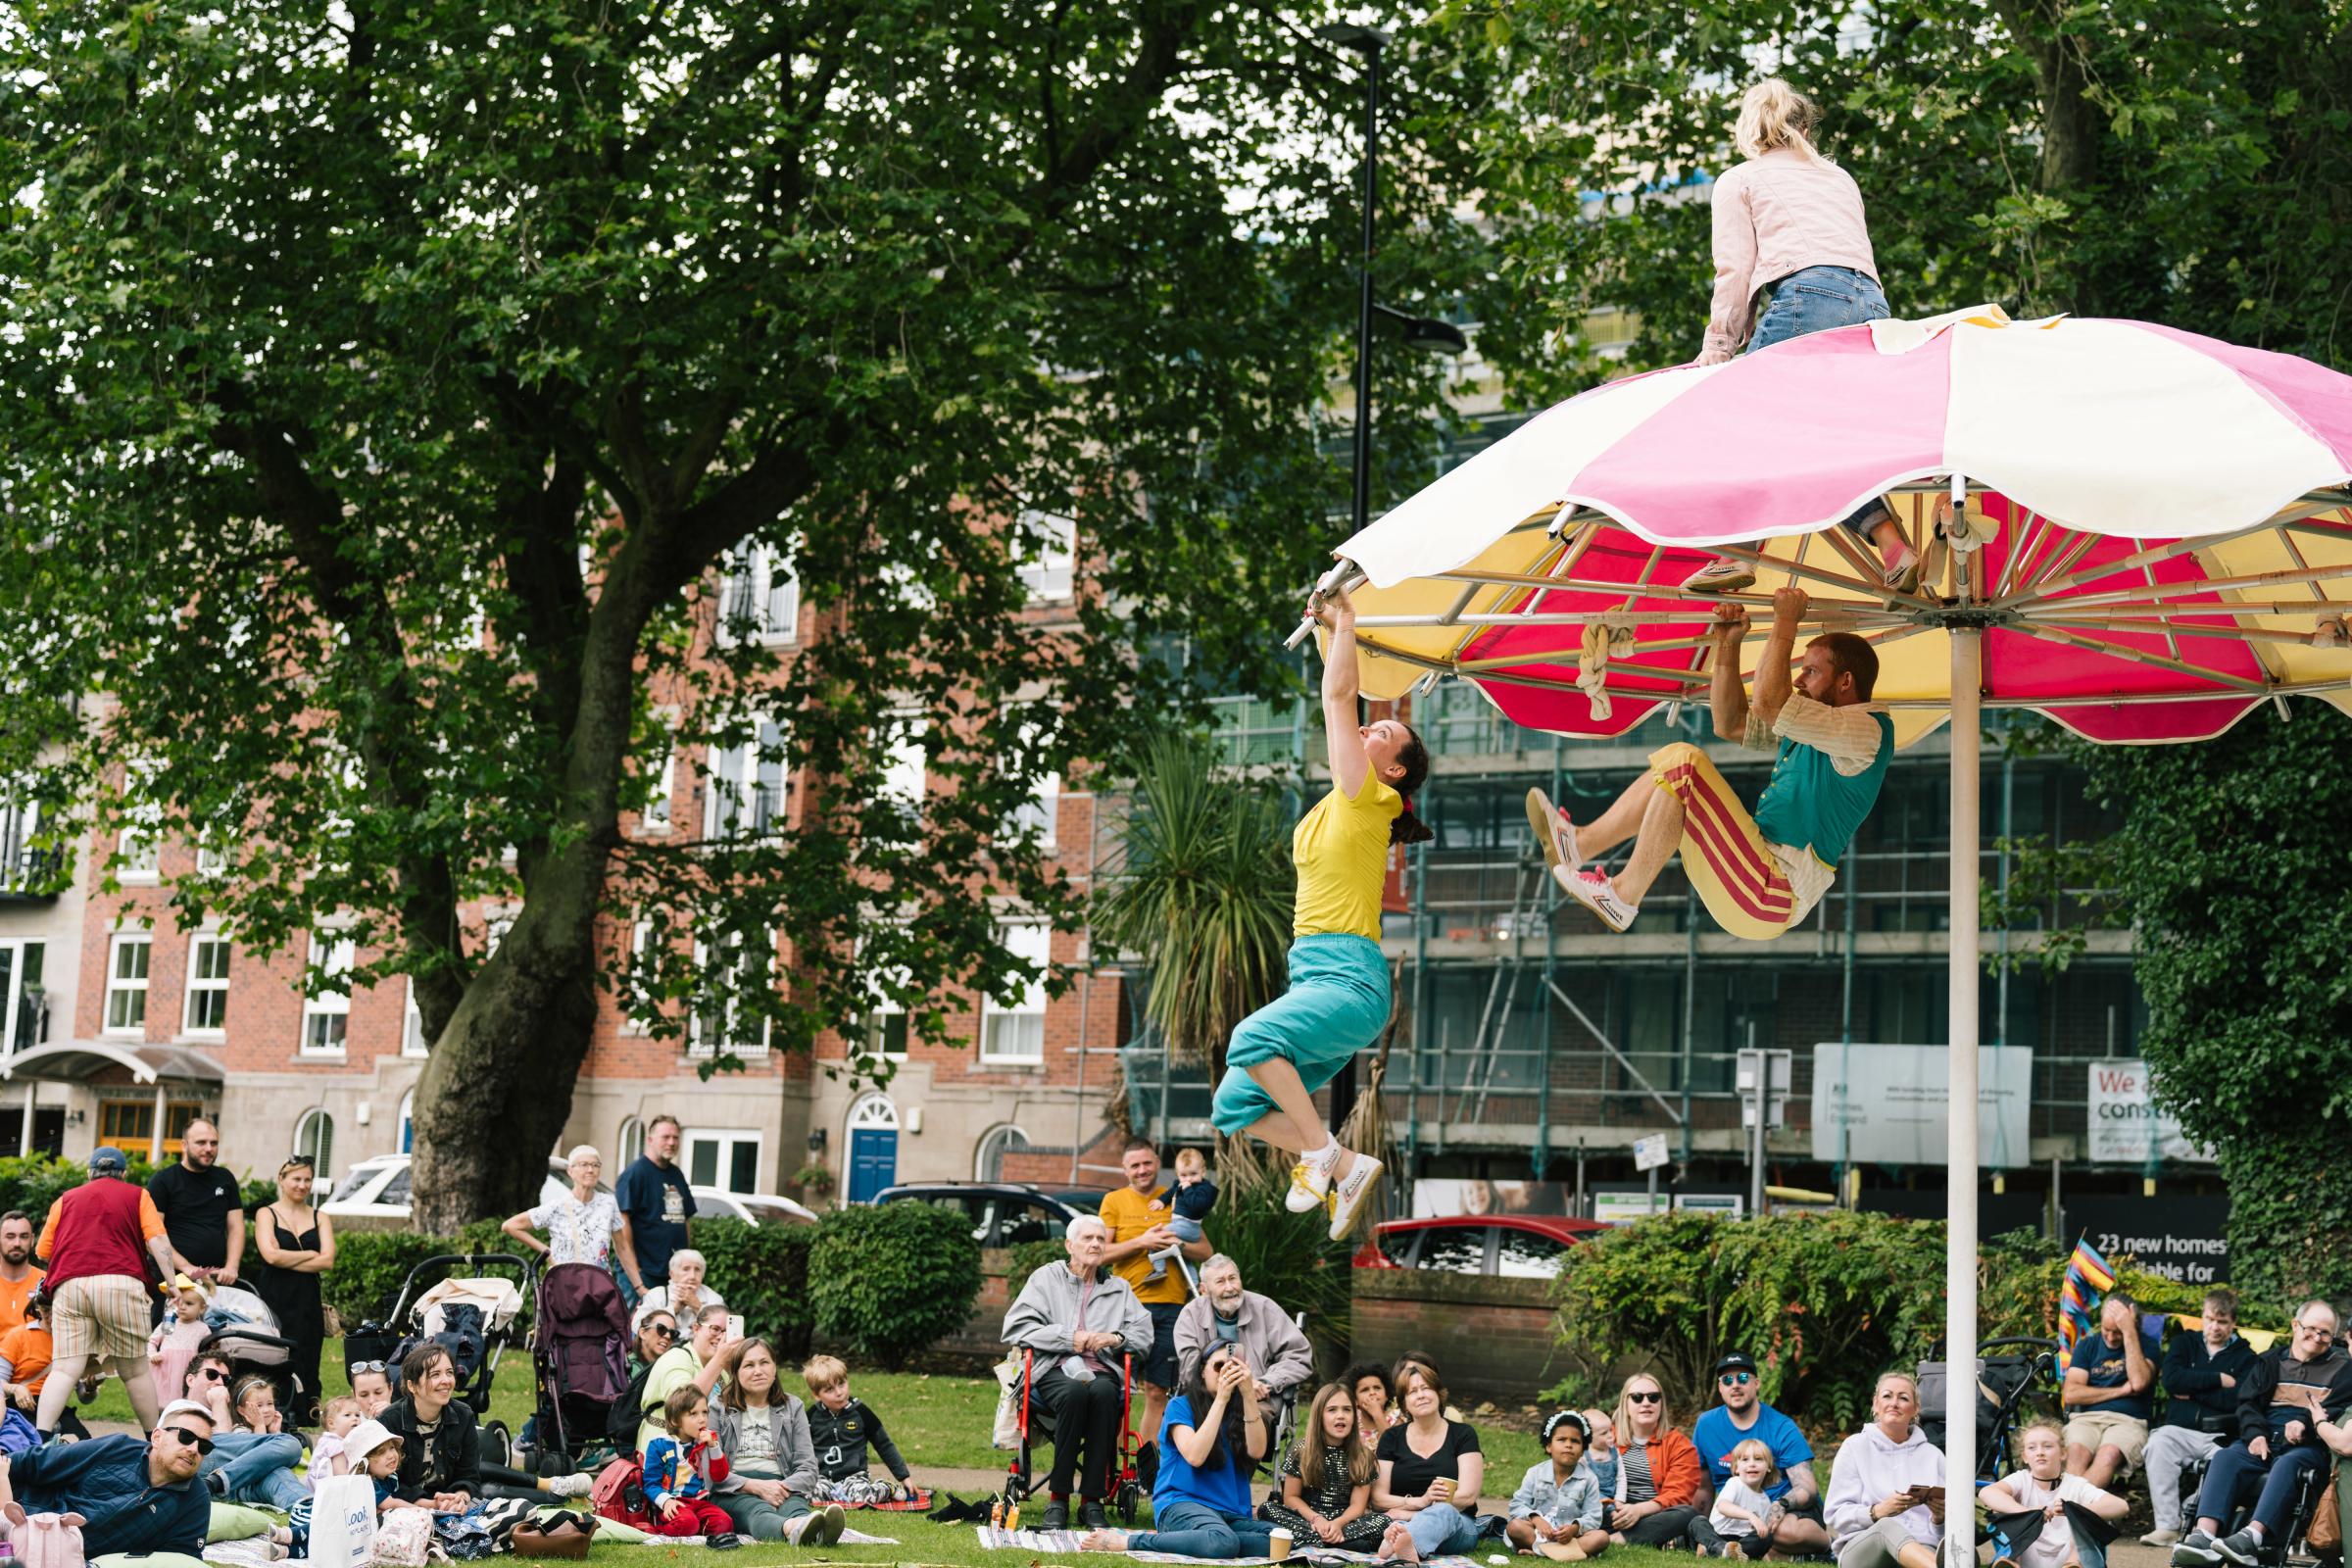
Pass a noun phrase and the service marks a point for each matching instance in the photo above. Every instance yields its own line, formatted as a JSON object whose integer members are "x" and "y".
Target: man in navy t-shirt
{"x": 2109, "y": 1394}
{"x": 1795, "y": 1523}
{"x": 653, "y": 1195}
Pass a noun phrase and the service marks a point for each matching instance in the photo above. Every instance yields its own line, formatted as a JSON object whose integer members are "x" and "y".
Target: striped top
{"x": 1634, "y": 1481}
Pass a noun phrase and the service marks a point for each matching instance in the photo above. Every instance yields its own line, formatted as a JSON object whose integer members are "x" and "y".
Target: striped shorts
{"x": 101, "y": 1315}
{"x": 1733, "y": 871}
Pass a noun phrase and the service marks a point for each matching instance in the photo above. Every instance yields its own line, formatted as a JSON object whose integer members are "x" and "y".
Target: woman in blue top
{"x": 1201, "y": 1499}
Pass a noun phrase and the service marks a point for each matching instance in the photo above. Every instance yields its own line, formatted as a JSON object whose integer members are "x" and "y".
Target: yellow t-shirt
{"x": 1340, "y": 849}
{"x": 1129, "y": 1213}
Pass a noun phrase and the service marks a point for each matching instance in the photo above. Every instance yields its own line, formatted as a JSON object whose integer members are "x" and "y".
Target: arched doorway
{"x": 873, "y": 1147}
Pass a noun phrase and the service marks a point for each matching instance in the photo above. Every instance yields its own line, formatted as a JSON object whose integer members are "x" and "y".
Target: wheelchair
{"x": 2289, "y": 1546}
{"x": 1020, "y": 1474}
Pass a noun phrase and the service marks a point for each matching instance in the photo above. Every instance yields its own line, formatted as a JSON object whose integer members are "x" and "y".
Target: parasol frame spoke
{"x": 2042, "y": 632}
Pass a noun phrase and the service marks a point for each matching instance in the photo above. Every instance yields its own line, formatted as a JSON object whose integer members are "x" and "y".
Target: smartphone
{"x": 734, "y": 1327}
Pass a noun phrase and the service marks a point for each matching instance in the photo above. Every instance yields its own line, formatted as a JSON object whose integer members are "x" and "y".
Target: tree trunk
{"x": 497, "y": 1087}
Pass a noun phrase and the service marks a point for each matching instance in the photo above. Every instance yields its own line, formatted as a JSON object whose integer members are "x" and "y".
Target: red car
{"x": 1513, "y": 1245}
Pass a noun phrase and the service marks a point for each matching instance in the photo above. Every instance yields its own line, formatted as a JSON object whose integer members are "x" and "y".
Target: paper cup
{"x": 1445, "y": 1487}
{"x": 1278, "y": 1545}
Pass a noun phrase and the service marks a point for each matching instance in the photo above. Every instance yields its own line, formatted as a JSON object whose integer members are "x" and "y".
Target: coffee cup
{"x": 1443, "y": 1487}
{"x": 1278, "y": 1545}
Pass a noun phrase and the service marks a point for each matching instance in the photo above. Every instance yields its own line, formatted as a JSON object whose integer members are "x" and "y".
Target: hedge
{"x": 893, "y": 1278}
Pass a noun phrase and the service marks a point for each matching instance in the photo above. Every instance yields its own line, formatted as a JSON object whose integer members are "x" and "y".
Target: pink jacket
{"x": 1773, "y": 216}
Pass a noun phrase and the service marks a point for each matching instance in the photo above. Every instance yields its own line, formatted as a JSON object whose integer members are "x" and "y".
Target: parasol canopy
{"x": 2159, "y": 535}
{"x": 2152, "y": 533}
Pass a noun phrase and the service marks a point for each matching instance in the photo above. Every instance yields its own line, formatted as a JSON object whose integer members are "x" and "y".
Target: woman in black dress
{"x": 298, "y": 1245}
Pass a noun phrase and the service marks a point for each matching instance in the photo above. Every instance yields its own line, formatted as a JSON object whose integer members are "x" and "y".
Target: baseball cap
{"x": 1735, "y": 1361}
{"x": 185, "y": 1407}
{"x": 106, "y": 1156}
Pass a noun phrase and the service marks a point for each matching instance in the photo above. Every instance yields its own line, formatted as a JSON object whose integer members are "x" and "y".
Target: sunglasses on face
{"x": 661, "y": 1331}
{"x": 1744, "y": 1379}
{"x": 1645, "y": 1398}
{"x": 212, "y": 1374}
{"x": 201, "y": 1446}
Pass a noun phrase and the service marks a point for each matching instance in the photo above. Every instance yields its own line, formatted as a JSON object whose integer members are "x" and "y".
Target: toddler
{"x": 2044, "y": 1518}
{"x": 1557, "y": 1511}
{"x": 330, "y": 1455}
{"x": 1742, "y": 1508}
{"x": 374, "y": 1450}
{"x": 683, "y": 1467}
{"x": 1601, "y": 1453}
{"x": 173, "y": 1344}
{"x": 840, "y": 1427}
{"x": 1188, "y": 1205}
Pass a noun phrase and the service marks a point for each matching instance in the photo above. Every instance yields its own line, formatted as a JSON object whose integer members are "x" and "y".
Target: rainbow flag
{"x": 2088, "y": 1277}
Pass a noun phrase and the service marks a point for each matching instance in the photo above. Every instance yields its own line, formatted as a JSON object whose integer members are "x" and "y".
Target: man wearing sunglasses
{"x": 133, "y": 1496}
{"x": 1794, "y": 1526}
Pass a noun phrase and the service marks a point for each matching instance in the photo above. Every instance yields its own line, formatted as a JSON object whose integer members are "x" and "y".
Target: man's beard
{"x": 13, "y": 1255}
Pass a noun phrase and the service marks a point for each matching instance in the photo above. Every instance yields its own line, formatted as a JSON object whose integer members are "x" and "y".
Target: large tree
{"x": 389, "y": 381}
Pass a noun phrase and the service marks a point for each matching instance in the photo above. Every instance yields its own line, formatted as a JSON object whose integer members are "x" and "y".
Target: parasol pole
{"x": 1960, "y": 1245}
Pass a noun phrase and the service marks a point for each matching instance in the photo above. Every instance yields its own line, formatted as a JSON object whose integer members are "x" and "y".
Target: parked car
{"x": 1525, "y": 1247}
{"x": 1002, "y": 1213}
{"x": 375, "y": 1195}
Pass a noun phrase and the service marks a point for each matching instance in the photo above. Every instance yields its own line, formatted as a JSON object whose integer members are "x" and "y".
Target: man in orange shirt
{"x": 93, "y": 1241}
{"x": 18, "y": 1275}
{"x": 1138, "y": 1215}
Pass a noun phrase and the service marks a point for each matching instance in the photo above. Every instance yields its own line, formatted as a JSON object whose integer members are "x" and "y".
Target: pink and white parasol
{"x": 2155, "y": 535}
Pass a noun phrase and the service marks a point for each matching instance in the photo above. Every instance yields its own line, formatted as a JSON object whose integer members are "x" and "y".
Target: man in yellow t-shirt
{"x": 1138, "y": 1215}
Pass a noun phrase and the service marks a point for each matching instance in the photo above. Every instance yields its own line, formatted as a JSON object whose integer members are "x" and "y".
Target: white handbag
{"x": 1007, "y": 1433}
{"x": 342, "y": 1521}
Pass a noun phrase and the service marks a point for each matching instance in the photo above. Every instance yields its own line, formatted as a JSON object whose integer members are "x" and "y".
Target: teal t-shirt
{"x": 1811, "y": 805}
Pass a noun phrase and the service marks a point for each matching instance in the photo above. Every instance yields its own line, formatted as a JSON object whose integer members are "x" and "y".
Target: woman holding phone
{"x": 1885, "y": 1507}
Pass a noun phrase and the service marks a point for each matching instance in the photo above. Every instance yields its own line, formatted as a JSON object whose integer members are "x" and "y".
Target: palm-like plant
{"x": 1203, "y": 897}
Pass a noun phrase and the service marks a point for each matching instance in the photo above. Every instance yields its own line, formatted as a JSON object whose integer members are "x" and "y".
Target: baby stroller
{"x": 245, "y": 1330}
{"x": 474, "y": 1315}
{"x": 2009, "y": 1372}
{"x": 579, "y": 1361}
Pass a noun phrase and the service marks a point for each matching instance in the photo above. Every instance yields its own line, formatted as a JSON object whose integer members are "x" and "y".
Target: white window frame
{"x": 412, "y": 1025}
{"x": 211, "y": 862}
{"x": 200, "y": 986}
{"x": 128, "y": 987}
{"x": 759, "y": 590}
{"x": 1043, "y": 809}
{"x": 996, "y": 1140}
{"x": 1031, "y": 1005}
{"x": 657, "y": 810}
{"x": 701, "y": 1044}
{"x": 747, "y": 788}
{"x": 725, "y": 1141}
{"x": 1046, "y": 549}
{"x": 138, "y": 856}
{"x": 906, "y": 764}
{"x": 882, "y": 1007}
{"x": 641, "y": 936}
{"x": 327, "y": 1005}
{"x": 306, "y": 1127}
{"x": 406, "y": 1131}
{"x": 627, "y": 1144}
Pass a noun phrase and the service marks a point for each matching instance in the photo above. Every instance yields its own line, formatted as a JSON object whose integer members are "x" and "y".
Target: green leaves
{"x": 893, "y": 1278}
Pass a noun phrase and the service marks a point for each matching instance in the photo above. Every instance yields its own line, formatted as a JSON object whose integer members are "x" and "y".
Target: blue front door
{"x": 873, "y": 1161}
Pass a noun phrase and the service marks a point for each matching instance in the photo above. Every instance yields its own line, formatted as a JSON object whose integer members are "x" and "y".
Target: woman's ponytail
{"x": 1413, "y": 758}
{"x": 1774, "y": 114}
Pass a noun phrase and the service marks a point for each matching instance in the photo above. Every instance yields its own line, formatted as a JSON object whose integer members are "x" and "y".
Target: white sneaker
{"x": 796, "y": 1528}
{"x": 578, "y": 1485}
{"x": 1347, "y": 1197}
{"x": 1722, "y": 576}
{"x": 1595, "y": 892}
{"x": 1901, "y": 574}
{"x": 1311, "y": 1184}
{"x": 1554, "y": 833}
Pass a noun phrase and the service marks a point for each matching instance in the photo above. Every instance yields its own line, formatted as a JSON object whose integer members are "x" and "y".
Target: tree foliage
{"x": 2165, "y": 159}
{"x": 2229, "y": 868}
{"x": 390, "y": 381}
{"x": 893, "y": 1278}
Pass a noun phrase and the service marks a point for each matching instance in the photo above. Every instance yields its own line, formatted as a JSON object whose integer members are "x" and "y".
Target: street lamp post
{"x": 1420, "y": 333}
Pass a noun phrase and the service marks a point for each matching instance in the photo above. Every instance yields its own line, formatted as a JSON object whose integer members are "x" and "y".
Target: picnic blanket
{"x": 993, "y": 1539}
{"x": 920, "y": 1502}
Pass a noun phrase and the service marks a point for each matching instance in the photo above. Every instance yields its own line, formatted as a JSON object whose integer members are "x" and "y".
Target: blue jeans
{"x": 260, "y": 1467}
{"x": 1195, "y": 1529}
{"x": 1813, "y": 299}
{"x": 1442, "y": 1528}
{"x": 2235, "y": 1464}
{"x": 630, "y": 1295}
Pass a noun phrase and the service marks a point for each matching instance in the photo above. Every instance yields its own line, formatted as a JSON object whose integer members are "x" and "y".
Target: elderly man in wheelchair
{"x": 1268, "y": 1340}
{"x": 1077, "y": 1325}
